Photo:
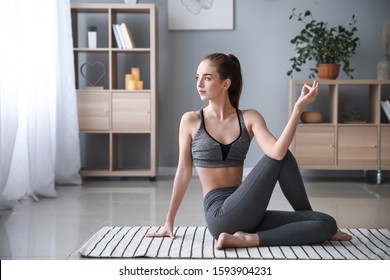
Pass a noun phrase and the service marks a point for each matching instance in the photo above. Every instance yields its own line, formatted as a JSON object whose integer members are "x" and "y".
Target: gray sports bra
{"x": 208, "y": 152}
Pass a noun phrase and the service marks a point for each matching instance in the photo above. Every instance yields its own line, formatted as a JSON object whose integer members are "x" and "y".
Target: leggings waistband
{"x": 217, "y": 195}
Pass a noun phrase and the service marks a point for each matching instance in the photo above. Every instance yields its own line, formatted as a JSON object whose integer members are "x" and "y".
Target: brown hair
{"x": 229, "y": 67}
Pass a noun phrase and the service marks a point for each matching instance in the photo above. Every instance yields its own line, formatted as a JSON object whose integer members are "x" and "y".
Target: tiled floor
{"x": 56, "y": 228}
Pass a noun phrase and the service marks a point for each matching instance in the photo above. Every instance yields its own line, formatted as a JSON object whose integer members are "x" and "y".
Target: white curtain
{"x": 39, "y": 142}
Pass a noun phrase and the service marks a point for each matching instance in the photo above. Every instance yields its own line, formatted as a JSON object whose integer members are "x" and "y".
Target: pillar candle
{"x": 136, "y": 73}
{"x": 132, "y": 85}
{"x": 128, "y": 78}
{"x": 140, "y": 84}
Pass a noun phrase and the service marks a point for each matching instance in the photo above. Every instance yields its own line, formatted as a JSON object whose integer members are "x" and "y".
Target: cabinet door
{"x": 93, "y": 110}
{"x": 385, "y": 147}
{"x": 131, "y": 112}
{"x": 314, "y": 146}
{"x": 358, "y": 147}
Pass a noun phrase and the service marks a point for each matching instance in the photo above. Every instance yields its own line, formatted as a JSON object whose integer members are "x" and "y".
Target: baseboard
{"x": 171, "y": 171}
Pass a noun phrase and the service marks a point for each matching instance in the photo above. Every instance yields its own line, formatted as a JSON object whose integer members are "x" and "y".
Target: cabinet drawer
{"x": 358, "y": 147}
{"x": 385, "y": 147}
{"x": 131, "y": 112}
{"x": 314, "y": 146}
{"x": 93, "y": 110}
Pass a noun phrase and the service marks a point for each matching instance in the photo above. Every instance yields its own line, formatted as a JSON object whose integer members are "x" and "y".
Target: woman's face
{"x": 208, "y": 83}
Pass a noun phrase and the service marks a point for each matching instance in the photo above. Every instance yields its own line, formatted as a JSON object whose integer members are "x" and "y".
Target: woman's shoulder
{"x": 190, "y": 121}
{"x": 253, "y": 119}
{"x": 250, "y": 114}
{"x": 189, "y": 124}
{"x": 191, "y": 116}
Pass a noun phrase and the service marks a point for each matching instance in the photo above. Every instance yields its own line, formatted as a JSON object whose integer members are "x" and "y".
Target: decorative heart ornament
{"x": 91, "y": 66}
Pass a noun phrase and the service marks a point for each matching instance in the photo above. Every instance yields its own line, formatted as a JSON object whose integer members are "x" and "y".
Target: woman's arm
{"x": 277, "y": 148}
{"x": 182, "y": 177}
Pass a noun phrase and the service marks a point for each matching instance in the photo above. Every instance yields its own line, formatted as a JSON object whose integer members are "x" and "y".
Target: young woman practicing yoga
{"x": 216, "y": 140}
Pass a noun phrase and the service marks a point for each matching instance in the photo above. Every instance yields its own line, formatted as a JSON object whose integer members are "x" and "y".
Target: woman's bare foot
{"x": 238, "y": 240}
{"x": 341, "y": 236}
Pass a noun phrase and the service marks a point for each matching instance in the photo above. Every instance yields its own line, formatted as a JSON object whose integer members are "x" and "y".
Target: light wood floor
{"x": 56, "y": 228}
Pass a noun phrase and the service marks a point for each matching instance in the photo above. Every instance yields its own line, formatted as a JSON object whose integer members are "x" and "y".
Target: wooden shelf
{"x": 117, "y": 126}
{"x": 354, "y": 134}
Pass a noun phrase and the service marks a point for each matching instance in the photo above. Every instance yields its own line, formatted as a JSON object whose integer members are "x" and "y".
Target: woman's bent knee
{"x": 329, "y": 226}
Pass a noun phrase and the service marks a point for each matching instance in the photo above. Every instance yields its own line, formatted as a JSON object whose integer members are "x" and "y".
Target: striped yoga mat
{"x": 197, "y": 243}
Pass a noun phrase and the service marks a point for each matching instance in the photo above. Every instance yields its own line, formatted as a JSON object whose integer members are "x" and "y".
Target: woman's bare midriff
{"x": 216, "y": 178}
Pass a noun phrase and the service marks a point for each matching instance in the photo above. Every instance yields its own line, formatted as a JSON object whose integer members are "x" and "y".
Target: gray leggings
{"x": 244, "y": 208}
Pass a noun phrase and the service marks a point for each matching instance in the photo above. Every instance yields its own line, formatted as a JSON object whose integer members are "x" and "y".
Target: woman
{"x": 215, "y": 140}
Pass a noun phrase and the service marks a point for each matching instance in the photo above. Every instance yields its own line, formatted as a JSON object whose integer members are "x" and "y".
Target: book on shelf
{"x": 386, "y": 108}
{"x": 127, "y": 37}
{"x": 116, "y": 30}
{"x": 121, "y": 40}
{"x": 123, "y": 37}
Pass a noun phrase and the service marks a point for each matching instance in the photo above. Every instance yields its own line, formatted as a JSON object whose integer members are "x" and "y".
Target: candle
{"x": 136, "y": 73}
{"x": 132, "y": 85}
{"x": 140, "y": 84}
{"x": 128, "y": 79}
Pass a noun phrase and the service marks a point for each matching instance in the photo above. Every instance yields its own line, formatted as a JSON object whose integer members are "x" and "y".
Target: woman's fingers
{"x": 307, "y": 86}
{"x": 160, "y": 234}
{"x": 312, "y": 91}
{"x": 312, "y": 88}
{"x": 156, "y": 234}
{"x": 308, "y": 95}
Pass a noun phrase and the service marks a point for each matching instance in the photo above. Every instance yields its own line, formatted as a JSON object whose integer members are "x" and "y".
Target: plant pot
{"x": 328, "y": 71}
{"x": 92, "y": 38}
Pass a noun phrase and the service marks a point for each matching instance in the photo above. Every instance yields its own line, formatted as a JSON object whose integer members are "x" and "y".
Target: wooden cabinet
{"x": 93, "y": 110}
{"x": 385, "y": 147}
{"x": 354, "y": 133}
{"x": 315, "y": 146}
{"x": 117, "y": 125}
{"x": 358, "y": 147}
{"x": 131, "y": 113}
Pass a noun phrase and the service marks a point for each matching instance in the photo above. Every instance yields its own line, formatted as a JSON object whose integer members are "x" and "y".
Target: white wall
{"x": 261, "y": 35}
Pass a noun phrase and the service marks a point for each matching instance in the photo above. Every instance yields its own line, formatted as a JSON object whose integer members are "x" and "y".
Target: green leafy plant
{"x": 323, "y": 44}
{"x": 92, "y": 28}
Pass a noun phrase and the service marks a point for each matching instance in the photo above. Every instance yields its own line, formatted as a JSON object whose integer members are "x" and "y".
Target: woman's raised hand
{"x": 308, "y": 95}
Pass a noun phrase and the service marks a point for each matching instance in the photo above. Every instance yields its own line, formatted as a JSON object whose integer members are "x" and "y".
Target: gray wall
{"x": 261, "y": 35}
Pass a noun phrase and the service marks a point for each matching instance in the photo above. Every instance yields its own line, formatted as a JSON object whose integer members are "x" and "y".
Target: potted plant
{"x": 323, "y": 44}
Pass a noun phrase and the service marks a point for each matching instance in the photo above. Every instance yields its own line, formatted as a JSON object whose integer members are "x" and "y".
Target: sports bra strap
{"x": 201, "y": 119}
